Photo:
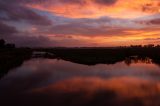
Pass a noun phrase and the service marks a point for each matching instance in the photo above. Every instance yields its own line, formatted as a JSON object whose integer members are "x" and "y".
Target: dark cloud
{"x": 74, "y": 1}
{"x": 22, "y": 40}
{"x": 32, "y": 41}
{"x": 17, "y": 12}
{"x": 55, "y": 2}
{"x": 6, "y": 30}
{"x": 103, "y": 26}
{"x": 106, "y": 2}
{"x": 11, "y": 35}
{"x": 155, "y": 21}
{"x": 52, "y": 2}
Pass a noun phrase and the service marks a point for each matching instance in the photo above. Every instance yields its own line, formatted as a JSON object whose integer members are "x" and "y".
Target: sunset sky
{"x": 77, "y": 23}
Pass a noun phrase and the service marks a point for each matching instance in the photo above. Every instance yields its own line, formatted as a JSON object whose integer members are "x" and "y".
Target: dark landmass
{"x": 11, "y": 57}
{"x": 93, "y": 56}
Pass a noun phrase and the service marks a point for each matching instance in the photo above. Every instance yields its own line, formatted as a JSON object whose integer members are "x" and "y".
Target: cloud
{"x": 77, "y": 2}
{"x": 152, "y": 7}
{"x": 78, "y": 22}
{"x": 150, "y": 20}
{"x": 104, "y": 26}
{"x": 155, "y": 21}
{"x": 152, "y": 39}
{"x": 32, "y": 41}
{"x": 105, "y": 2}
{"x": 98, "y": 8}
{"x": 73, "y": 1}
{"x": 26, "y": 39}
{"x": 12, "y": 35}
{"x": 6, "y": 30}
{"x": 17, "y": 12}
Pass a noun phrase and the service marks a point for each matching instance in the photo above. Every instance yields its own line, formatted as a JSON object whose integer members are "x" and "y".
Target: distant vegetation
{"x": 4, "y": 45}
{"x": 92, "y": 56}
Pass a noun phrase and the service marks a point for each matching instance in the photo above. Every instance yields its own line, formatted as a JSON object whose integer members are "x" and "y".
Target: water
{"x": 46, "y": 82}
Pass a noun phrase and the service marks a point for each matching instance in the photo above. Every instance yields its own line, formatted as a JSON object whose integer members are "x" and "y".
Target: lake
{"x": 45, "y": 82}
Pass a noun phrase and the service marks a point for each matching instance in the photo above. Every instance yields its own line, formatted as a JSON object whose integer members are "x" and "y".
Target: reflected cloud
{"x": 126, "y": 91}
{"x": 59, "y": 82}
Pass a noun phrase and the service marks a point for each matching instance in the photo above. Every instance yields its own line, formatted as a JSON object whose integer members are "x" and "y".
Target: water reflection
{"x": 98, "y": 92}
{"x": 58, "y": 82}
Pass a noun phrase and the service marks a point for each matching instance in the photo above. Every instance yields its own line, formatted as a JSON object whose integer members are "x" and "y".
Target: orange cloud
{"x": 92, "y": 9}
{"x": 83, "y": 22}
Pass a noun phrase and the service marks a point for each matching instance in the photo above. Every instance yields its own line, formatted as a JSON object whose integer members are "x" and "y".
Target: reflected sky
{"x": 56, "y": 82}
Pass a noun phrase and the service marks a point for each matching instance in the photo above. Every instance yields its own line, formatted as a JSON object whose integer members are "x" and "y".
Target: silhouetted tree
{"x": 149, "y": 46}
{"x": 158, "y": 46}
{"x": 136, "y": 46}
{"x": 10, "y": 45}
{"x": 2, "y": 43}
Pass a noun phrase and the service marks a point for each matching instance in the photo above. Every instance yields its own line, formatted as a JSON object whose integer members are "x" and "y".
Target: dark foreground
{"x": 92, "y": 56}
{"x": 12, "y": 58}
{"x": 80, "y": 77}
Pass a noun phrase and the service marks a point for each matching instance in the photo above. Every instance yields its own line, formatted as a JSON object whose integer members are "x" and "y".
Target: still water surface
{"x": 45, "y": 82}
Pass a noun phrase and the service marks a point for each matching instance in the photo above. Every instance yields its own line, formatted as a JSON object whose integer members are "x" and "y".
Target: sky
{"x": 80, "y": 23}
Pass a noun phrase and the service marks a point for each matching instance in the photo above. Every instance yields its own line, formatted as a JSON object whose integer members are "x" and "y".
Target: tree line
{"x": 3, "y": 44}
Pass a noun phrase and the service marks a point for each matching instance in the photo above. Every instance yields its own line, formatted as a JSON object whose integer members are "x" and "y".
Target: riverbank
{"x": 12, "y": 58}
{"x": 92, "y": 56}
